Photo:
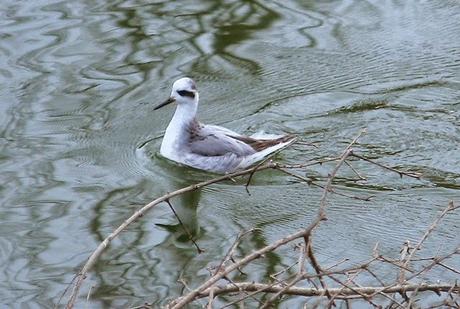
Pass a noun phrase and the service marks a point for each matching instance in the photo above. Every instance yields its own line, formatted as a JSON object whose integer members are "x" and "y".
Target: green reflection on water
{"x": 78, "y": 80}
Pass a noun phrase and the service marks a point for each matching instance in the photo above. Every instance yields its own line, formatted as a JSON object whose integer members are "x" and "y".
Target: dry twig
{"x": 341, "y": 292}
{"x": 348, "y": 290}
{"x": 139, "y": 213}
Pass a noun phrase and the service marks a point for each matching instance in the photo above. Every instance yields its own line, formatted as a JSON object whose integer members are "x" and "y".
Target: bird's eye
{"x": 185, "y": 93}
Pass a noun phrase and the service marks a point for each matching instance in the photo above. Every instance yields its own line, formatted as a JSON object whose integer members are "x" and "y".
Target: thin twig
{"x": 347, "y": 152}
{"x": 404, "y": 251}
{"x": 249, "y": 295}
{"x": 233, "y": 247}
{"x": 190, "y": 236}
{"x": 450, "y": 207}
{"x": 449, "y": 268}
{"x": 312, "y": 162}
{"x": 297, "y": 278}
{"x": 355, "y": 171}
{"x": 211, "y": 298}
{"x": 316, "y": 267}
{"x": 312, "y": 183}
{"x": 88, "y": 296}
{"x": 246, "y": 186}
{"x": 401, "y": 173}
{"x": 393, "y": 301}
{"x": 333, "y": 296}
{"x": 411, "y": 299}
{"x": 273, "y": 276}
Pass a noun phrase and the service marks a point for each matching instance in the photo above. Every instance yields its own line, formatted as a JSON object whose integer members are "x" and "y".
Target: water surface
{"x": 79, "y": 80}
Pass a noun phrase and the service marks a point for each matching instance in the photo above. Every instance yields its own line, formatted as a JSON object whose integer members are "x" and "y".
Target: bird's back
{"x": 220, "y": 150}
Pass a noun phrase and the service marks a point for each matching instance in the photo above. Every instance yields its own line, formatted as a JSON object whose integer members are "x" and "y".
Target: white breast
{"x": 175, "y": 138}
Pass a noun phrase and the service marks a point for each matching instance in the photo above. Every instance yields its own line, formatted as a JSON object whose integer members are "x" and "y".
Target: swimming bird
{"x": 209, "y": 147}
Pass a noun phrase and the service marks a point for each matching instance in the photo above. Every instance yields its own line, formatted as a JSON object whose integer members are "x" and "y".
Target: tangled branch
{"x": 344, "y": 278}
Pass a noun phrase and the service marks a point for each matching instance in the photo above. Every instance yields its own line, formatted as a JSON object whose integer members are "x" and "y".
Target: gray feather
{"x": 206, "y": 141}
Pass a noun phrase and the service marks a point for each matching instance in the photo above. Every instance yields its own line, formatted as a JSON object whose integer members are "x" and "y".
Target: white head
{"x": 183, "y": 92}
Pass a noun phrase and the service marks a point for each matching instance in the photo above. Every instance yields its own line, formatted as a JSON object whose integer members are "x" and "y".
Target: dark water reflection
{"x": 79, "y": 79}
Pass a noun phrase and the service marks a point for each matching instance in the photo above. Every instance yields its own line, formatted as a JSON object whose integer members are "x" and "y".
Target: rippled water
{"x": 78, "y": 82}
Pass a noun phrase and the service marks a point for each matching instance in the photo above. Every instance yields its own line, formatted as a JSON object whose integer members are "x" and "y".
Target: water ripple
{"x": 79, "y": 80}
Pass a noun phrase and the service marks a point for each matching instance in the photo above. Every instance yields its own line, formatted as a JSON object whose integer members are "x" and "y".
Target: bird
{"x": 209, "y": 147}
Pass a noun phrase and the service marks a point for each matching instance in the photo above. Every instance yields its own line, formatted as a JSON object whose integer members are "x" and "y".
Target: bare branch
{"x": 308, "y": 292}
{"x": 233, "y": 248}
{"x": 345, "y": 279}
{"x": 450, "y": 207}
{"x": 401, "y": 173}
{"x": 139, "y": 213}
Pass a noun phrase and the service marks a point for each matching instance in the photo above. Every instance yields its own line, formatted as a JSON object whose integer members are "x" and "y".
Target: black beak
{"x": 169, "y": 100}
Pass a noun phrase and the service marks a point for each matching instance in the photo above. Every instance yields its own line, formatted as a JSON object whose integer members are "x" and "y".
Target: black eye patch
{"x": 185, "y": 93}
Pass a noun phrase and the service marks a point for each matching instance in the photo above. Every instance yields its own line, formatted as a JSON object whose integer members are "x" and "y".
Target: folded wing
{"x": 211, "y": 142}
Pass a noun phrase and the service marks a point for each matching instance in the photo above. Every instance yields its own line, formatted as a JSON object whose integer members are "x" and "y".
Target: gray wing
{"x": 218, "y": 164}
{"x": 220, "y": 129}
{"x": 210, "y": 142}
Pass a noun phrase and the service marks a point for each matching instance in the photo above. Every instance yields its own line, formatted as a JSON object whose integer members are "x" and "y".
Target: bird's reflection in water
{"x": 184, "y": 206}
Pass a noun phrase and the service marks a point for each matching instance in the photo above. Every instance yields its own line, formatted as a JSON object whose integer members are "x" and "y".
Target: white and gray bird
{"x": 208, "y": 147}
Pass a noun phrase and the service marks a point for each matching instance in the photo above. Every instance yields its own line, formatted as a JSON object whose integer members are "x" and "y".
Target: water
{"x": 79, "y": 80}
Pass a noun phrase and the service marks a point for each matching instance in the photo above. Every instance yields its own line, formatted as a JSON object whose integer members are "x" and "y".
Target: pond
{"x": 80, "y": 140}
